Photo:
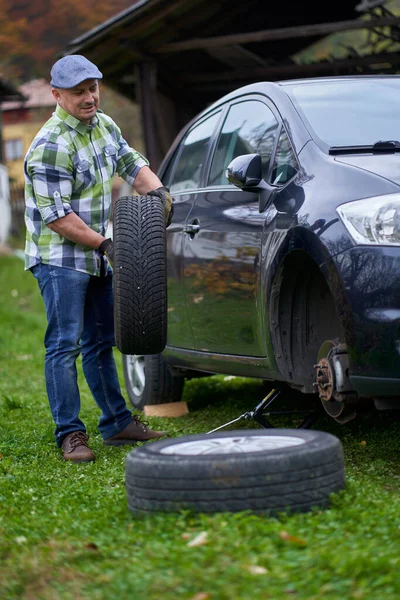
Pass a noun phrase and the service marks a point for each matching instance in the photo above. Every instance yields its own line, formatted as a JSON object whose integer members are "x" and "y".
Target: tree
{"x": 33, "y": 34}
{"x": 14, "y": 44}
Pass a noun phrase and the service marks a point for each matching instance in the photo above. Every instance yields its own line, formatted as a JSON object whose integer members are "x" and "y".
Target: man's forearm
{"x": 146, "y": 181}
{"x": 74, "y": 229}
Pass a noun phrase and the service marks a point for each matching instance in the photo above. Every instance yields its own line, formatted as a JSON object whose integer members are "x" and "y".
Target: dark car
{"x": 284, "y": 250}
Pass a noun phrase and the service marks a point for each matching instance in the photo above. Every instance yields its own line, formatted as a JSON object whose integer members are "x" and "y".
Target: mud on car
{"x": 282, "y": 261}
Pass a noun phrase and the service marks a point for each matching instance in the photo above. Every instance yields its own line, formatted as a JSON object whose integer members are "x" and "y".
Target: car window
{"x": 185, "y": 172}
{"x": 250, "y": 127}
{"x": 285, "y": 163}
{"x": 168, "y": 171}
{"x": 348, "y": 113}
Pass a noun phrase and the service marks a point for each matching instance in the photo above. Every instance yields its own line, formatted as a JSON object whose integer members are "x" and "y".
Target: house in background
{"x": 22, "y": 118}
{"x": 7, "y": 93}
{"x": 21, "y": 122}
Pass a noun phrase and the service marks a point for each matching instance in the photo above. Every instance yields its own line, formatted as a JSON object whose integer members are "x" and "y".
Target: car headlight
{"x": 373, "y": 220}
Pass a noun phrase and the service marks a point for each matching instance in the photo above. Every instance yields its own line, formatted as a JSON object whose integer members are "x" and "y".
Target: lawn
{"x": 66, "y": 532}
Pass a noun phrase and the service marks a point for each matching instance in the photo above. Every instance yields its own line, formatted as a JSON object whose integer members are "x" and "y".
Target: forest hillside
{"x": 33, "y": 33}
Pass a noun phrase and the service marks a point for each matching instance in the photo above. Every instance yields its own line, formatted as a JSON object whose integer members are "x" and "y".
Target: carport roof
{"x": 209, "y": 48}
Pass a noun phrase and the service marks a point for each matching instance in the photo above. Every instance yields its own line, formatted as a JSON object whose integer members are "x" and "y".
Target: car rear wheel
{"x": 140, "y": 275}
{"x": 149, "y": 380}
{"x": 261, "y": 470}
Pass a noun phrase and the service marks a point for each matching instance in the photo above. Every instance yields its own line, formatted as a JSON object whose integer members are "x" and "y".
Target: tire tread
{"x": 140, "y": 275}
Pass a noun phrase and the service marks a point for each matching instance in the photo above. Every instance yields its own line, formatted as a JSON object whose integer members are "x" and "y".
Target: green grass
{"x": 66, "y": 532}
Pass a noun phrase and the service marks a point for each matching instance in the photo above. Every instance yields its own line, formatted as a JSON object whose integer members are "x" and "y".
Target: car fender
{"x": 301, "y": 247}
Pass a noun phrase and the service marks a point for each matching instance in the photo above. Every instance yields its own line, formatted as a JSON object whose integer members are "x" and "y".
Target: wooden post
{"x": 146, "y": 89}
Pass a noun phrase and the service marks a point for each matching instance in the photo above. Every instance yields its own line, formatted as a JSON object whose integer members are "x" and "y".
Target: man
{"x": 69, "y": 171}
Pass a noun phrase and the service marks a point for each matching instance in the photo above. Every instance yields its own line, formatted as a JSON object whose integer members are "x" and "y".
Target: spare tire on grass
{"x": 140, "y": 275}
{"x": 261, "y": 470}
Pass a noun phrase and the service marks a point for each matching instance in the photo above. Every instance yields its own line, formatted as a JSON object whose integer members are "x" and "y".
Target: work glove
{"x": 107, "y": 248}
{"x": 167, "y": 200}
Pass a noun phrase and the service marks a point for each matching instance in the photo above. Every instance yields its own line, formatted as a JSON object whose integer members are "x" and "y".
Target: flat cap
{"x": 70, "y": 70}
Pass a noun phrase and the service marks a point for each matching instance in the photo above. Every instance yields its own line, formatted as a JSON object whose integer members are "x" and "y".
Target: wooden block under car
{"x": 169, "y": 409}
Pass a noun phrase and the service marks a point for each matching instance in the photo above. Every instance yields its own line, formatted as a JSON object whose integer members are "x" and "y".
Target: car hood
{"x": 384, "y": 165}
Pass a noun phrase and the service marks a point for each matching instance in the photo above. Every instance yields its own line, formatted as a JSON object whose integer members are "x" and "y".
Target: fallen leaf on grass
{"x": 91, "y": 546}
{"x": 199, "y": 540}
{"x": 257, "y": 570}
{"x": 201, "y": 596}
{"x": 286, "y": 537}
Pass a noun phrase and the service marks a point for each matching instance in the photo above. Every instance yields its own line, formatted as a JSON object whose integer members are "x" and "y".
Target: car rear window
{"x": 346, "y": 113}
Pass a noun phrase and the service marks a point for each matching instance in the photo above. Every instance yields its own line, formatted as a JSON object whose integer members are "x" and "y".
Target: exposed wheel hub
{"x": 324, "y": 379}
{"x": 333, "y": 383}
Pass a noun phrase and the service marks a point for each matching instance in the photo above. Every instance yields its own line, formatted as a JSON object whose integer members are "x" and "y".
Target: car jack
{"x": 258, "y": 414}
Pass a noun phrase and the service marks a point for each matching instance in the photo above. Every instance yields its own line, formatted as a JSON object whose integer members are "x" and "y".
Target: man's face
{"x": 81, "y": 101}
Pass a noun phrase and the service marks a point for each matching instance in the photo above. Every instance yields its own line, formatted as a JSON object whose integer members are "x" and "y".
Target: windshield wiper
{"x": 383, "y": 146}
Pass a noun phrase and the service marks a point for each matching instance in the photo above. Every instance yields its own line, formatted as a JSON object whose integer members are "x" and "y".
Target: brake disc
{"x": 335, "y": 390}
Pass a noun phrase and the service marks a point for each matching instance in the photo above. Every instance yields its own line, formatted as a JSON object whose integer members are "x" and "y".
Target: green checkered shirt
{"x": 70, "y": 167}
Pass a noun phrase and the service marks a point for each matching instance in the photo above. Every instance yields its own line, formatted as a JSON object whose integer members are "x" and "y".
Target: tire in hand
{"x": 140, "y": 275}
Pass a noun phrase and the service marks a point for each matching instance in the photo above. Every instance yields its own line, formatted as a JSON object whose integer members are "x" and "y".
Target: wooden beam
{"x": 145, "y": 86}
{"x": 236, "y": 56}
{"x": 280, "y": 33}
{"x": 283, "y": 70}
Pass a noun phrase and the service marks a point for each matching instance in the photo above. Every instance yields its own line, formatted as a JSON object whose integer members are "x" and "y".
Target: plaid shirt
{"x": 70, "y": 167}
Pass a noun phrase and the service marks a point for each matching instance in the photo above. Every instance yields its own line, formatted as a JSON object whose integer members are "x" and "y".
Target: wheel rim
{"x": 136, "y": 373}
{"x": 233, "y": 445}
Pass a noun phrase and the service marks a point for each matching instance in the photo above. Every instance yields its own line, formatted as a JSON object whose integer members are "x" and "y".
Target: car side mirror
{"x": 245, "y": 172}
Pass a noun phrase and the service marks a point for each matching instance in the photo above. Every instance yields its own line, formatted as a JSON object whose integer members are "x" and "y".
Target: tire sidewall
{"x": 317, "y": 447}
{"x": 288, "y": 478}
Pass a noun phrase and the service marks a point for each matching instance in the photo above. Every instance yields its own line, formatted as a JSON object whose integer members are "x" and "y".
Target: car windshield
{"x": 349, "y": 112}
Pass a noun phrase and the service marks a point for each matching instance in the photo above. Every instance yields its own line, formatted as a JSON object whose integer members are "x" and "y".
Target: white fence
{"x": 5, "y": 208}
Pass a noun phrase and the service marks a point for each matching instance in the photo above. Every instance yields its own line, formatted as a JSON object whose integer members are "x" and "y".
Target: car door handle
{"x": 192, "y": 228}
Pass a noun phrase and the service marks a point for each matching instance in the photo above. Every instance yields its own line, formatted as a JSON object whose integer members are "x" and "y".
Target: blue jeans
{"x": 80, "y": 319}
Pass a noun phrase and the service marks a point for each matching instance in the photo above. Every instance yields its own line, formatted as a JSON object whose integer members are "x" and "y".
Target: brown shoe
{"x": 136, "y": 431}
{"x": 76, "y": 449}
